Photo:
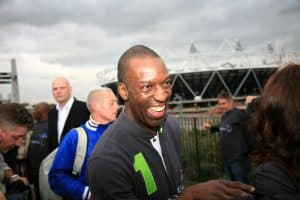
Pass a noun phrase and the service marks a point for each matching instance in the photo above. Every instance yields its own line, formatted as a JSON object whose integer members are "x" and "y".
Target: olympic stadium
{"x": 200, "y": 77}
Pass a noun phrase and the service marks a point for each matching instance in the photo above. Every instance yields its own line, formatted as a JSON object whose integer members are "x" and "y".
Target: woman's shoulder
{"x": 272, "y": 178}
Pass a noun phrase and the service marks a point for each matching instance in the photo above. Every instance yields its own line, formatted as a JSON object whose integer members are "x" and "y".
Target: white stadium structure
{"x": 201, "y": 77}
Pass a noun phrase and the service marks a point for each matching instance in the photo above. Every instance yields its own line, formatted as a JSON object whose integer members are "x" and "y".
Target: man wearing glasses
{"x": 15, "y": 122}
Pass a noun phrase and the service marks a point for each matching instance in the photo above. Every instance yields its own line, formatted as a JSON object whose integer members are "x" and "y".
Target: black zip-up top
{"x": 125, "y": 165}
{"x": 235, "y": 139}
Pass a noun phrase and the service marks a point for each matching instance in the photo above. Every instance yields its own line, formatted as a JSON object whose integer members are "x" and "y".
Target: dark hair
{"x": 40, "y": 111}
{"x": 137, "y": 51}
{"x": 224, "y": 95}
{"x": 276, "y": 124}
{"x": 13, "y": 114}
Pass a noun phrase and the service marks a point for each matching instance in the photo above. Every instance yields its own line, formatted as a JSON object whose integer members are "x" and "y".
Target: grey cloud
{"x": 291, "y": 7}
{"x": 115, "y": 15}
{"x": 170, "y": 26}
{"x": 119, "y": 17}
{"x": 75, "y": 34}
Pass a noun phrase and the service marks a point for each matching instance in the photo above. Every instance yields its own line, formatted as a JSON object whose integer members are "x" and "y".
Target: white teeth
{"x": 158, "y": 109}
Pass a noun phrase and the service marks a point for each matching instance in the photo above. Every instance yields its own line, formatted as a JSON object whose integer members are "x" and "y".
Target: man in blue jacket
{"x": 102, "y": 104}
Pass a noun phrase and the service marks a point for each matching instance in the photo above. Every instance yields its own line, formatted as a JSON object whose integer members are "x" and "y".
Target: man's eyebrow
{"x": 167, "y": 78}
{"x": 18, "y": 136}
{"x": 144, "y": 81}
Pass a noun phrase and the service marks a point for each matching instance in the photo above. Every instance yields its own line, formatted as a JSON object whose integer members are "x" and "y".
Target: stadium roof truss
{"x": 200, "y": 77}
{"x": 206, "y": 85}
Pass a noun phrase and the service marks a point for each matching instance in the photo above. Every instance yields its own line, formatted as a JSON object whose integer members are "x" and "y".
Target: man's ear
{"x": 232, "y": 103}
{"x": 95, "y": 106}
{"x": 123, "y": 91}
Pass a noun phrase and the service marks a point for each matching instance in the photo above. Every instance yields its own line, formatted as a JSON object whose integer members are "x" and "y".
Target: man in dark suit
{"x": 67, "y": 114}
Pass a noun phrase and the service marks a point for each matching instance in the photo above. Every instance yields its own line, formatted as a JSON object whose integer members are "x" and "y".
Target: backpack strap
{"x": 81, "y": 150}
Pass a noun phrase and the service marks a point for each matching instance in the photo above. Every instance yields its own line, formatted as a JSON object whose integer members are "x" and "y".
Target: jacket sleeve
{"x": 246, "y": 131}
{"x": 215, "y": 128}
{"x": 3, "y": 167}
{"x": 52, "y": 130}
{"x": 61, "y": 179}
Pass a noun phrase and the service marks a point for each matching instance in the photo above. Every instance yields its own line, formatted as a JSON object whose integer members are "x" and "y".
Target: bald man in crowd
{"x": 102, "y": 103}
{"x": 67, "y": 114}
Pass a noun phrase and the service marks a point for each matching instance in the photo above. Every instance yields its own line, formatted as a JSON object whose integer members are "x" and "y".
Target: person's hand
{"x": 25, "y": 180}
{"x": 217, "y": 190}
{"x": 249, "y": 99}
{"x": 2, "y": 196}
{"x": 206, "y": 125}
{"x": 17, "y": 178}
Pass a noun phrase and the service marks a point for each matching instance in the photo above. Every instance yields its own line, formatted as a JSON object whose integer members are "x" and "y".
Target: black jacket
{"x": 274, "y": 182}
{"x": 235, "y": 140}
{"x": 124, "y": 163}
{"x": 78, "y": 115}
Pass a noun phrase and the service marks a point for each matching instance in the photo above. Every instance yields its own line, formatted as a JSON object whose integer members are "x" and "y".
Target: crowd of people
{"x": 134, "y": 152}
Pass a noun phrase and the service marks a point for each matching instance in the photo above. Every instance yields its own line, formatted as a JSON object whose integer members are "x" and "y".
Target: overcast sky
{"x": 76, "y": 39}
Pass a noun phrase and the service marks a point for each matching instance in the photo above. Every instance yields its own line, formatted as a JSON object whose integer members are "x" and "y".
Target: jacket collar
{"x": 134, "y": 128}
{"x": 67, "y": 105}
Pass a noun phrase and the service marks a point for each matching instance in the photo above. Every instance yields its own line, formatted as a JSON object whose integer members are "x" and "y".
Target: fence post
{"x": 197, "y": 148}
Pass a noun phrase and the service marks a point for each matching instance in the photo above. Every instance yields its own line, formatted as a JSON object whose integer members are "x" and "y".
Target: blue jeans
{"x": 238, "y": 169}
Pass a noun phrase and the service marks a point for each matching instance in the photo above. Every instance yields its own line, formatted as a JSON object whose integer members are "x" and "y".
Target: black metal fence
{"x": 200, "y": 149}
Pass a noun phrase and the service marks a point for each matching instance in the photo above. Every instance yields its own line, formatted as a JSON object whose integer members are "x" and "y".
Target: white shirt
{"x": 63, "y": 113}
{"x": 156, "y": 144}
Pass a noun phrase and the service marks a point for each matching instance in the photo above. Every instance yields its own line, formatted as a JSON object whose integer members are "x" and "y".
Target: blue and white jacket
{"x": 61, "y": 179}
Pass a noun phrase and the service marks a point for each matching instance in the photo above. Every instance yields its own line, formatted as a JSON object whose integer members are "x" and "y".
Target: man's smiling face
{"x": 148, "y": 91}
